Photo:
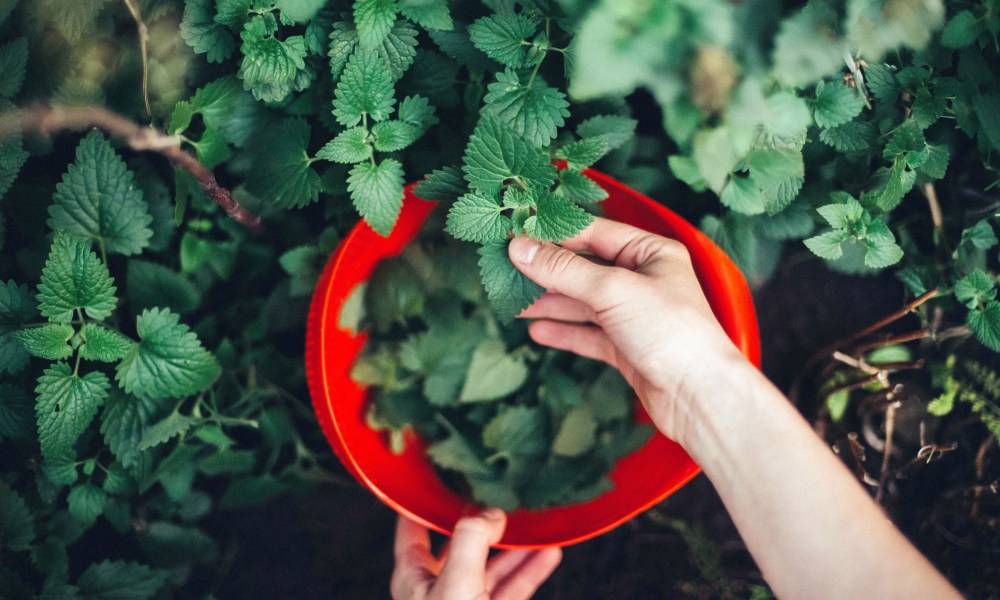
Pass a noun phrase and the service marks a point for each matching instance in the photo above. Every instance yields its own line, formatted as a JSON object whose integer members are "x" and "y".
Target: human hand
{"x": 463, "y": 570}
{"x": 642, "y": 312}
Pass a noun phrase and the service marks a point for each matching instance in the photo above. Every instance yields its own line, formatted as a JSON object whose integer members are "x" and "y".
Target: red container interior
{"x": 407, "y": 482}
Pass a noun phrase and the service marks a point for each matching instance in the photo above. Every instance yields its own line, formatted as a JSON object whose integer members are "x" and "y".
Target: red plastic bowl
{"x": 407, "y": 482}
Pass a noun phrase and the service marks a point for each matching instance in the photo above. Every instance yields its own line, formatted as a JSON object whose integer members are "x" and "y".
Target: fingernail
{"x": 493, "y": 514}
{"x": 524, "y": 249}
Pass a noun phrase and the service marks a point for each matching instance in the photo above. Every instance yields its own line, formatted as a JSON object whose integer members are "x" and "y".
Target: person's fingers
{"x": 523, "y": 577}
{"x": 464, "y": 566}
{"x": 622, "y": 245}
{"x": 563, "y": 271}
{"x": 588, "y": 341}
{"x": 416, "y": 567}
{"x": 559, "y": 307}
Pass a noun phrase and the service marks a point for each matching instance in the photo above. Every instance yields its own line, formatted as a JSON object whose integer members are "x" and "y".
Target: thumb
{"x": 557, "y": 269}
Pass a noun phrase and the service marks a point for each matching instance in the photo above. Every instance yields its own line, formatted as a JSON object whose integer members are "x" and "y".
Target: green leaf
{"x": 804, "y": 49}
{"x": 120, "y": 580}
{"x": 743, "y": 196}
{"x": 391, "y": 136}
{"x": 103, "y": 344}
{"x": 175, "y": 424}
{"x": 343, "y": 41}
{"x": 854, "y": 136}
{"x": 987, "y": 107}
{"x": 458, "y": 47}
{"x": 149, "y": 284}
{"x": 233, "y": 13}
{"x": 374, "y": 20}
{"x": 496, "y": 154}
{"x": 555, "y": 219}
{"x": 417, "y": 111}
{"x": 936, "y": 164}
{"x": 181, "y": 117}
{"x": 493, "y": 373}
{"x": 17, "y": 307}
{"x": 582, "y": 153}
{"x": 377, "y": 193}
{"x": 882, "y": 254}
{"x": 282, "y": 174}
{"x": 899, "y": 183}
{"x": 577, "y": 432}
{"x": 960, "y": 31}
{"x": 365, "y": 89}
{"x": 171, "y": 545}
{"x": 927, "y": 108}
{"x": 17, "y": 416}
{"x": 17, "y": 528}
{"x": 66, "y": 405}
{"x": 445, "y": 184}
{"x": 300, "y": 11}
{"x": 86, "y": 503}
{"x": 502, "y": 37}
{"x": 508, "y": 289}
{"x": 200, "y": 30}
{"x": 13, "y": 63}
{"x": 349, "y": 147}
{"x": 836, "y": 104}
{"x": 789, "y": 115}
{"x": 122, "y": 427}
{"x": 429, "y": 14}
{"x": 985, "y": 324}
{"x": 168, "y": 362}
{"x": 881, "y": 81}
{"x": 534, "y": 112}
{"x": 976, "y": 289}
{"x": 614, "y": 130}
{"x": 98, "y": 198}
{"x": 842, "y": 215}
{"x": 474, "y": 218}
{"x": 399, "y": 48}
{"x": 74, "y": 278}
{"x": 685, "y": 169}
{"x": 827, "y": 245}
{"x": 12, "y": 158}
{"x": 6, "y": 6}
{"x": 50, "y": 341}
{"x": 517, "y": 431}
{"x": 576, "y": 187}
{"x": 271, "y": 68}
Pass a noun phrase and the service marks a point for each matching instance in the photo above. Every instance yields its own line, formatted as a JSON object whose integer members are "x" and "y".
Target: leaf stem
{"x": 143, "y": 32}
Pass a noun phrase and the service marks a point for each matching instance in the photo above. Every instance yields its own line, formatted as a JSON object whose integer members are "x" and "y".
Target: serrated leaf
{"x": 86, "y": 502}
{"x": 881, "y": 81}
{"x": 582, "y": 153}
{"x": 391, "y": 136}
{"x": 789, "y": 115}
{"x": 300, "y": 11}
{"x": 17, "y": 528}
{"x": 827, "y": 245}
{"x": 122, "y": 428}
{"x": 579, "y": 189}
{"x": 17, "y": 307}
{"x": 987, "y": 107}
{"x": 282, "y": 174}
{"x": 200, "y": 30}
{"x": 882, "y": 254}
{"x": 103, "y": 344}
{"x": 534, "y": 112}
{"x": 854, "y": 136}
{"x": 936, "y": 164}
{"x": 399, "y": 48}
{"x": 614, "y": 130}
{"x": 417, "y": 111}
{"x": 493, "y": 373}
{"x": 169, "y": 360}
{"x": 429, "y": 14}
{"x": 374, "y": 20}
{"x": 149, "y": 284}
{"x": 349, "y": 147}
{"x": 17, "y": 416}
{"x": 555, "y": 219}
{"x": 98, "y": 198}
{"x": 960, "y": 31}
{"x": 458, "y": 47}
{"x": 804, "y": 49}
{"x": 445, "y": 184}
{"x": 377, "y": 193}
{"x": 474, "y": 218}
{"x": 50, "y": 341}
{"x": 743, "y": 196}
{"x": 365, "y": 89}
{"x": 898, "y": 184}
{"x": 495, "y": 154}
{"x": 343, "y": 41}
{"x": 74, "y": 278}
{"x": 233, "y": 13}
{"x": 508, "y": 289}
{"x": 271, "y": 68}
{"x": 13, "y": 63}
{"x": 842, "y": 215}
{"x": 517, "y": 431}
{"x": 120, "y": 580}
{"x": 66, "y": 405}
{"x": 175, "y": 424}
{"x": 12, "y": 158}
{"x": 927, "y": 108}
{"x": 577, "y": 432}
{"x": 985, "y": 324}
{"x": 502, "y": 37}
{"x": 976, "y": 289}
{"x": 836, "y": 104}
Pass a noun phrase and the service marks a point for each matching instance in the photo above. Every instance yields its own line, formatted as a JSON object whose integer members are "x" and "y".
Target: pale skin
{"x": 812, "y": 529}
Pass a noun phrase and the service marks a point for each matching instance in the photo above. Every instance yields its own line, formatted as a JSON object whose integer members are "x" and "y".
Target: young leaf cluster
{"x": 508, "y": 423}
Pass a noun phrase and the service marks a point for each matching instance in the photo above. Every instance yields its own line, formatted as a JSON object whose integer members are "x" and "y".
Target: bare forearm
{"x": 811, "y": 527}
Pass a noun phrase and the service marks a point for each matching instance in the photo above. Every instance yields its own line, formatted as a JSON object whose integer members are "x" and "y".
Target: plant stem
{"x": 50, "y": 120}
{"x": 890, "y": 426}
{"x": 143, "y": 32}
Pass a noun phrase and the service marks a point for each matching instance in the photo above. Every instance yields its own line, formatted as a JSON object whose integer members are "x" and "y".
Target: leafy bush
{"x": 153, "y": 284}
